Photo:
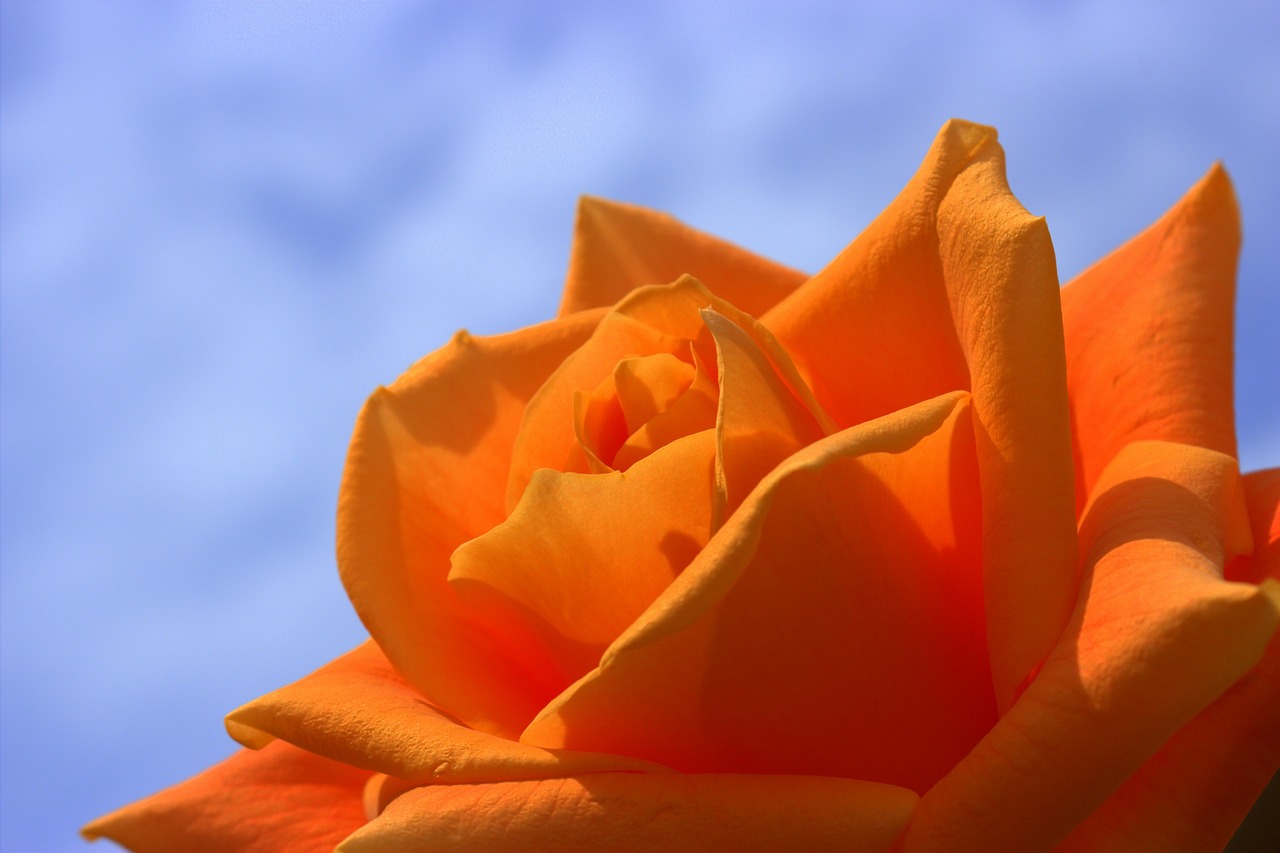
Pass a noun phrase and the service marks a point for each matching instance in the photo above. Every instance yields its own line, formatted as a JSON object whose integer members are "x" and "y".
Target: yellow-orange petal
{"x": 640, "y": 812}
{"x": 759, "y": 421}
{"x": 599, "y": 426}
{"x": 694, "y": 411}
{"x": 656, "y": 319}
{"x": 618, "y": 247}
{"x": 954, "y": 286}
{"x": 1192, "y": 794}
{"x": 1149, "y": 331}
{"x": 651, "y": 320}
{"x": 359, "y": 711}
{"x": 278, "y": 800}
{"x": 427, "y": 471}
{"x": 1157, "y": 636}
{"x": 583, "y": 555}
{"x": 833, "y": 626}
{"x": 648, "y": 386}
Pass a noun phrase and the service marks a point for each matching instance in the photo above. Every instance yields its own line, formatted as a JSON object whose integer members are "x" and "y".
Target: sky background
{"x": 222, "y": 225}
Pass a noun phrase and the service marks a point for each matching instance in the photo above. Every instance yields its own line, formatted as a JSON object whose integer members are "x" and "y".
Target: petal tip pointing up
{"x": 966, "y": 135}
{"x": 1215, "y": 190}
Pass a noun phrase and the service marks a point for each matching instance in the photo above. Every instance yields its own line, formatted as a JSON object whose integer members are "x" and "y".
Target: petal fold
{"x": 759, "y": 421}
{"x": 652, "y": 320}
{"x": 1157, "y": 636}
{"x": 833, "y": 626}
{"x": 954, "y": 286}
{"x": 426, "y": 472}
{"x": 641, "y": 812}
{"x": 583, "y": 555}
{"x": 1193, "y": 794}
{"x": 357, "y": 710}
{"x": 618, "y": 247}
{"x": 278, "y": 800}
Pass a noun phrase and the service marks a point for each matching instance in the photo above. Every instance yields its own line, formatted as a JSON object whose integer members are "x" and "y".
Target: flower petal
{"x": 651, "y": 320}
{"x": 694, "y": 411}
{"x": 1148, "y": 334}
{"x": 278, "y": 800}
{"x": 1157, "y": 635}
{"x": 583, "y": 555}
{"x": 618, "y": 247}
{"x": 648, "y": 386}
{"x": 776, "y": 651}
{"x": 759, "y": 421}
{"x": 1194, "y": 792}
{"x": 426, "y": 472}
{"x": 357, "y": 710}
{"x": 642, "y": 812}
{"x": 955, "y": 286}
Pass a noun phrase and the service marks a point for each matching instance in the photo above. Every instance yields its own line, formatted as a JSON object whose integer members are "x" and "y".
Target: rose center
{"x": 644, "y": 404}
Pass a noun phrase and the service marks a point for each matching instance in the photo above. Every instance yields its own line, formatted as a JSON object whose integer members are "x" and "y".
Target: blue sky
{"x": 222, "y": 225}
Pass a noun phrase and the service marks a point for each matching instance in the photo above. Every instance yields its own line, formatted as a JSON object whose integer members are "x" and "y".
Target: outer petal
{"x": 1194, "y": 792}
{"x": 619, "y": 247}
{"x": 1149, "y": 331}
{"x": 426, "y": 472}
{"x": 639, "y": 812}
{"x": 358, "y": 711}
{"x": 1157, "y": 636}
{"x": 774, "y": 653}
{"x": 279, "y": 800}
{"x": 955, "y": 286}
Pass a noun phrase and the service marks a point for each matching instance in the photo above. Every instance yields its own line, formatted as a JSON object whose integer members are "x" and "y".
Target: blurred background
{"x": 223, "y": 224}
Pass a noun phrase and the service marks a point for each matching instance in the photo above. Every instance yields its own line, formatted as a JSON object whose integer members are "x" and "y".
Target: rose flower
{"x": 918, "y": 553}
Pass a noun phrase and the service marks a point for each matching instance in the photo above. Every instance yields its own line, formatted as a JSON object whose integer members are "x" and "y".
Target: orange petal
{"x": 1262, "y": 493}
{"x": 599, "y": 426}
{"x": 759, "y": 422}
{"x": 1157, "y": 635}
{"x": 648, "y": 386}
{"x": 1149, "y": 331}
{"x": 872, "y": 332}
{"x": 1001, "y": 276}
{"x": 619, "y": 247}
{"x": 426, "y": 472}
{"x": 652, "y": 320}
{"x": 649, "y": 321}
{"x": 833, "y": 626}
{"x": 955, "y": 286}
{"x": 583, "y": 555}
{"x": 639, "y": 389}
{"x": 279, "y": 800}
{"x": 640, "y": 812}
{"x": 1194, "y": 792}
{"x": 357, "y": 710}
{"x": 695, "y": 410}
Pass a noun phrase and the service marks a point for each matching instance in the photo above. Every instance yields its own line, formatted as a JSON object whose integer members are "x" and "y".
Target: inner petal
{"x": 583, "y": 555}
{"x": 833, "y": 626}
{"x": 759, "y": 421}
{"x": 649, "y": 385}
{"x": 693, "y": 412}
{"x": 599, "y": 425}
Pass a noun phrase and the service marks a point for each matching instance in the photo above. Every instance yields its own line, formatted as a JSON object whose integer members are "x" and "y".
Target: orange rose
{"x": 930, "y": 555}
